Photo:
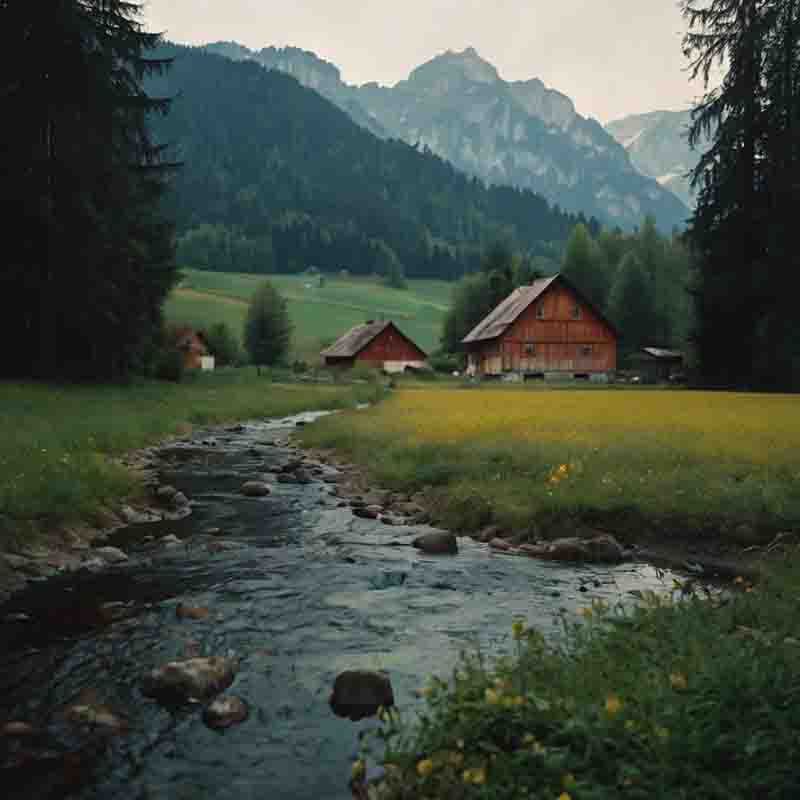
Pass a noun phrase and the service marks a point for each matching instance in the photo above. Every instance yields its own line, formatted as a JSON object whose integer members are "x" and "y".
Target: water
{"x": 305, "y": 591}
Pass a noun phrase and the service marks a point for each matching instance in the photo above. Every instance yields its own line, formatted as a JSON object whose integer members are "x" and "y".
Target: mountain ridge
{"x": 520, "y": 133}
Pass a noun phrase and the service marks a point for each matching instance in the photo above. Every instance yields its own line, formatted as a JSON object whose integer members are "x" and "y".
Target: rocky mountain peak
{"x": 548, "y": 105}
{"x": 450, "y": 68}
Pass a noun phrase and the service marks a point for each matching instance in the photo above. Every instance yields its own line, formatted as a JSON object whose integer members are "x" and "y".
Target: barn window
{"x": 586, "y": 350}
{"x": 576, "y": 311}
{"x": 540, "y": 311}
{"x": 530, "y": 348}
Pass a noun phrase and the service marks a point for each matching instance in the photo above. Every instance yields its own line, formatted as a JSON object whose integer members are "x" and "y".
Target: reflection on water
{"x": 305, "y": 591}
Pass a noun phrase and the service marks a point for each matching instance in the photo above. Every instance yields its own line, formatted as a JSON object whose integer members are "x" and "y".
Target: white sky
{"x": 612, "y": 57}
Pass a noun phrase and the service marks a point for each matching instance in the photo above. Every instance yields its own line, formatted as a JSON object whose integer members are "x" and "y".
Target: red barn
{"x": 379, "y": 344}
{"x": 548, "y": 329}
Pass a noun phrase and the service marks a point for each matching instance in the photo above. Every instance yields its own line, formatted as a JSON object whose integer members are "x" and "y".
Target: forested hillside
{"x": 278, "y": 179}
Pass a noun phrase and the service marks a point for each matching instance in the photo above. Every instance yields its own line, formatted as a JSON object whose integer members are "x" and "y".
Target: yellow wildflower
{"x": 476, "y": 776}
{"x": 662, "y": 733}
{"x": 678, "y": 681}
{"x": 586, "y": 613}
{"x": 518, "y": 629}
{"x": 565, "y": 796}
{"x": 425, "y": 767}
{"x": 529, "y": 738}
{"x": 613, "y": 704}
{"x": 358, "y": 769}
{"x": 518, "y": 700}
{"x": 492, "y": 697}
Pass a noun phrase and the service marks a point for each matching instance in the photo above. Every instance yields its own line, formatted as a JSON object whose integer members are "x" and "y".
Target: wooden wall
{"x": 390, "y": 345}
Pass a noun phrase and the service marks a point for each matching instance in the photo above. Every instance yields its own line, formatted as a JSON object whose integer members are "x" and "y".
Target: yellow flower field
{"x": 763, "y": 429}
{"x": 515, "y": 456}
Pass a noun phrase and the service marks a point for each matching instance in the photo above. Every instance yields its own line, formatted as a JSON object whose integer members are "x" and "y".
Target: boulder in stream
{"x": 358, "y": 694}
{"x": 111, "y": 555}
{"x": 225, "y": 711}
{"x": 193, "y": 680}
{"x": 437, "y": 543}
{"x": 255, "y": 489}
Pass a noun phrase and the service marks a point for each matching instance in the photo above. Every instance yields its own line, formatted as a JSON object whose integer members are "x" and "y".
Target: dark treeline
{"x": 743, "y": 231}
{"x": 88, "y": 259}
{"x": 637, "y": 280}
{"x": 277, "y": 179}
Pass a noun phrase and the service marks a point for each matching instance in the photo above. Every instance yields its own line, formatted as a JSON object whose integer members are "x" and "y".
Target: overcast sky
{"x": 612, "y": 57}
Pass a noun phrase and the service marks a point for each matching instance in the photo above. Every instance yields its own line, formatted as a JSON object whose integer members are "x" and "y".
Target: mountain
{"x": 277, "y": 179}
{"x": 517, "y": 133}
{"x": 658, "y": 146}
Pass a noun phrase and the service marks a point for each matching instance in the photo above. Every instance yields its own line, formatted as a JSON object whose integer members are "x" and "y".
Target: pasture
{"x": 526, "y": 458}
{"x": 320, "y": 314}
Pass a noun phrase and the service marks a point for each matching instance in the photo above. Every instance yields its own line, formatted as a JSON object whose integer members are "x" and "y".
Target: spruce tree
{"x": 267, "y": 328}
{"x": 90, "y": 253}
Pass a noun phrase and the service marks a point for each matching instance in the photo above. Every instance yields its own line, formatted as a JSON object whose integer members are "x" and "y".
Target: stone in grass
{"x": 225, "y": 712}
{"x": 255, "y": 489}
{"x": 111, "y": 555}
{"x": 358, "y": 694}
{"x": 192, "y": 680}
{"x": 437, "y": 543}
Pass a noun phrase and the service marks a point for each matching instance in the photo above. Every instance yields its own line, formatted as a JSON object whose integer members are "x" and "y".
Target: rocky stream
{"x": 283, "y": 586}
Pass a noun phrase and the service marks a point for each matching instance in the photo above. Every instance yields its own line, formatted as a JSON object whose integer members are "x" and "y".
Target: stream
{"x": 299, "y": 589}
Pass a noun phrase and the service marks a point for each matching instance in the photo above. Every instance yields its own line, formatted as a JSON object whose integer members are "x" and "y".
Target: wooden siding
{"x": 564, "y": 336}
{"x": 390, "y": 345}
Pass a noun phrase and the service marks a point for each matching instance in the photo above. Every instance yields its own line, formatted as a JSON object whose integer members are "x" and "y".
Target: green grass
{"x": 684, "y": 696}
{"x": 320, "y": 315}
{"x": 540, "y": 463}
{"x": 57, "y": 442}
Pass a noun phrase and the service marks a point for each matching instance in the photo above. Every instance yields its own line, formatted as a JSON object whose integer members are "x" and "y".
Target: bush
{"x": 169, "y": 365}
{"x": 223, "y": 345}
{"x": 441, "y": 361}
{"x": 267, "y": 328}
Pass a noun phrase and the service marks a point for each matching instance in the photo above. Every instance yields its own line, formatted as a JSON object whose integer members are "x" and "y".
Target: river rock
{"x": 111, "y": 555}
{"x": 367, "y": 512}
{"x": 134, "y": 517}
{"x": 225, "y": 711}
{"x": 195, "y": 679}
{"x": 180, "y": 500}
{"x": 191, "y": 612}
{"x": 500, "y": 544}
{"x": 18, "y": 729}
{"x": 165, "y": 493}
{"x": 605, "y": 549}
{"x": 437, "y": 543}
{"x": 96, "y": 718}
{"x": 255, "y": 489}
{"x": 358, "y": 694}
{"x": 170, "y": 540}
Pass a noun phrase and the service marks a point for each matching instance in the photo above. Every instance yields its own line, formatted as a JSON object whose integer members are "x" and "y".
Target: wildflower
{"x": 565, "y": 796}
{"x": 460, "y": 744}
{"x": 492, "y": 697}
{"x": 518, "y": 629}
{"x": 358, "y": 769}
{"x": 586, "y": 613}
{"x": 568, "y": 781}
{"x": 738, "y": 579}
{"x": 678, "y": 681}
{"x": 529, "y": 738}
{"x": 662, "y": 733}
{"x": 476, "y": 776}
{"x": 613, "y": 704}
{"x": 424, "y": 767}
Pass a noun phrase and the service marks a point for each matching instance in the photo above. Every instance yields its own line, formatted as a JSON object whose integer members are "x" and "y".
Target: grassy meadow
{"x": 320, "y": 314}
{"x": 525, "y": 458}
{"x": 57, "y": 442}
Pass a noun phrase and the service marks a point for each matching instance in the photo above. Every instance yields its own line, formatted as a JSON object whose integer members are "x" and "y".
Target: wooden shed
{"x": 548, "y": 330}
{"x": 379, "y": 344}
{"x": 192, "y": 346}
{"x": 658, "y": 364}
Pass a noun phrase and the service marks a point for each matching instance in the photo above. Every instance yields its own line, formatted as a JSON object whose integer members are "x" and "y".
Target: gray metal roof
{"x": 355, "y": 340}
{"x": 660, "y": 352}
{"x": 497, "y": 322}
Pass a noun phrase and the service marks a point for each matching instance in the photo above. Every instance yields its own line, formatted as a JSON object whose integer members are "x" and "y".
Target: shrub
{"x": 267, "y": 328}
{"x": 223, "y": 345}
{"x": 169, "y": 365}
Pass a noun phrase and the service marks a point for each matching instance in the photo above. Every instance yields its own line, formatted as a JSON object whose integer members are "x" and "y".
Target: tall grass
{"x": 525, "y": 458}
{"x": 56, "y": 441}
{"x": 683, "y": 697}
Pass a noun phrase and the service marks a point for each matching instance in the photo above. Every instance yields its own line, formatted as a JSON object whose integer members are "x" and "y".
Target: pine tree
{"x": 267, "y": 328}
{"x": 92, "y": 260}
{"x": 583, "y": 265}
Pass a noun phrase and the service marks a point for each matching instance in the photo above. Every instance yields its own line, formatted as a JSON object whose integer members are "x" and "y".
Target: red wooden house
{"x": 548, "y": 329}
{"x": 191, "y": 345}
{"x": 379, "y": 344}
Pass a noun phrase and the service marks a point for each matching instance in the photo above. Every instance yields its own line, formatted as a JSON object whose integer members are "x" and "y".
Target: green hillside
{"x": 319, "y": 313}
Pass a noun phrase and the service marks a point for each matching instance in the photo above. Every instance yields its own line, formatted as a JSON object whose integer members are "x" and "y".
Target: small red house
{"x": 379, "y": 344}
{"x": 548, "y": 329}
{"x": 191, "y": 346}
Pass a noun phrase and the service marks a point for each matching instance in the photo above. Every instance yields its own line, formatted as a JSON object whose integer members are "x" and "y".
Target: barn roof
{"x": 663, "y": 354}
{"x": 357, "y": 338}
{"x": 497, "y": 322}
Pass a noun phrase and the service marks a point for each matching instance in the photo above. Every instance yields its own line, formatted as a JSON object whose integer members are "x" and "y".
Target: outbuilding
{"x": 546, "y": 330}
{"x": 658, "y": 364}
{"x": 381, "y": 345}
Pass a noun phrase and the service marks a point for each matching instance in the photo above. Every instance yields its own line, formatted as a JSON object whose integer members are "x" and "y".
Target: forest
{"x": 276, "y": 179}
